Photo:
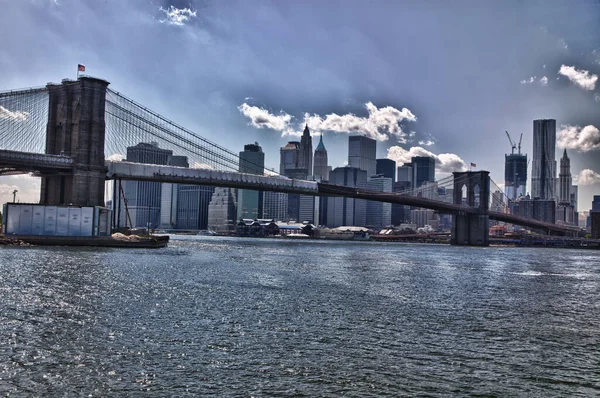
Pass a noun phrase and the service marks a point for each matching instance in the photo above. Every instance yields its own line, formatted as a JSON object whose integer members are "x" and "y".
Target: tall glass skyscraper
{"x": 362, "y": 154}
{"x": 543, "y": 173}
{"x": 423, "y": 168}
{"x": 249, "y": 202}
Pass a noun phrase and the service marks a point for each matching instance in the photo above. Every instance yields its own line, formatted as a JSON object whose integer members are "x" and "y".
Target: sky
{"x": 422, "y": 77}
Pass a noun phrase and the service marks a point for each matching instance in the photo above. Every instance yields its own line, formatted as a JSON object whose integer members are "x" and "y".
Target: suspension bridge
{"x": 74, "y": 135}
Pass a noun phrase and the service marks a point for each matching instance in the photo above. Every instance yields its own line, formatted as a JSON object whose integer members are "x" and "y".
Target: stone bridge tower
{"x": 470, "y": 229}
{"x": 76, "y": 128}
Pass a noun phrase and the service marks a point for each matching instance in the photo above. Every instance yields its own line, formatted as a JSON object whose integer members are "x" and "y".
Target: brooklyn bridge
{"x": 65, "y": 133}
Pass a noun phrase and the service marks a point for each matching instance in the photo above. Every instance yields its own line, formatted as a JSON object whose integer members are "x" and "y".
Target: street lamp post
{"x": 15, "y": 196}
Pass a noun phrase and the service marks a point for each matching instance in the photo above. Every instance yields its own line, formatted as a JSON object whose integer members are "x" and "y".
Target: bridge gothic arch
{"x": 468, "y": 228}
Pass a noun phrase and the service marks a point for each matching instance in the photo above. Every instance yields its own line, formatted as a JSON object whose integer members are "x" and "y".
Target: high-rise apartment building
{"x": 321, "y": 168}
{"x": 250, "y": 202}
{"x": 379, "y": 214}
{"x": 386, "y": 168}
{"x": 362, "y": 154}
{"x": 347, "y": 211}
{"x": 543, "y": 167}
{"x": 289, "y": 157}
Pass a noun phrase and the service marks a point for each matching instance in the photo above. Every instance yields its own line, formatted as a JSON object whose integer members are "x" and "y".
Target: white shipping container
{"x": 50, "y": 220}
{"x": 87, "y": 221}
{"x": 13, "y": 219}
{"x": 26, "y": 219}
{"x": 62, "y": 221}
{"x": 74, "y": 221}
{"x": 37, "y": 222}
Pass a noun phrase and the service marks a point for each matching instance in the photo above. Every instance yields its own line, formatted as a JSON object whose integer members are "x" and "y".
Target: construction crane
{"x": 520, "y": 139}
{"x": 512, "y": 144}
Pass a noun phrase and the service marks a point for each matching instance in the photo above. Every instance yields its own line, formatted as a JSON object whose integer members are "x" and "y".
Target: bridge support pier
{"x": 471, "y": 229}
{"x": 76, "y": 128}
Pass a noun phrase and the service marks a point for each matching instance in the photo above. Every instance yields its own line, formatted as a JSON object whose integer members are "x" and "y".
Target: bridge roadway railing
{"x": 27, "y": 161}
{"x": 528, "y": 222}
{"x": 182, "y": 175}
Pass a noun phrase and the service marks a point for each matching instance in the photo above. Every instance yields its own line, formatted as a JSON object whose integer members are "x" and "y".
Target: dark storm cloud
{"x": 457, "y": 66}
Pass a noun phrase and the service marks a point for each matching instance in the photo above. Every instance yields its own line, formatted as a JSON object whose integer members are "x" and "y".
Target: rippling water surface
{"x": 245, "y": 317}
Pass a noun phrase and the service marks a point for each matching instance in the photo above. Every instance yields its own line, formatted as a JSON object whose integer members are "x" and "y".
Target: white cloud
{"x": 28, "y": 188}
{"x": 597, "y": 97}
{"x": 582, "y": 78}
{"x": 444, "y": 162}
{"x": 529, "y": 81}
{"x": 177, "y": 16}
{"x": 582, "y": 139}
{"x": 587, "y": 177}
{"x": 115, "y": 157}
{"x": 427, "y": 143}
{"x": 12, "y": 115}
{"x": 380, "y": 124}
{"x": 542, "y": 80}
{"x": 261, "y": 118}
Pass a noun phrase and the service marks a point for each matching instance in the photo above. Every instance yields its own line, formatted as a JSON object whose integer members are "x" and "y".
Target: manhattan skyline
{"x": 422, "y": 79}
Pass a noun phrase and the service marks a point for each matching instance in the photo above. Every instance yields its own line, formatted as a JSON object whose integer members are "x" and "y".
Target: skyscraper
{"x": 362, "y": 154}
{"x": 252, "y": 161}
{"x": 144, "y": 197}
{"x": 305, "y": 160}
{"x": 192, "y": 206}
{"x": 543, "y": 166}
{"x": 564, "y": 180}
{"x": 387, "y": 168}
{"x": 321, "y": 168}
{"x": 222, "y": 210}
{"x": 405, "y": 173}
{"x": 423, "y": 168}
{"x": 379, "y": 214}
{"x": 515, "y": 175}
{"x": 347, "y": 211}
{"x": 289, "y": 156}
{"x": 168, "y": 196}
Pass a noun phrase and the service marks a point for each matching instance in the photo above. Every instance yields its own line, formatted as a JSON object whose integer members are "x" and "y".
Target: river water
{"x": 258, "y": 317}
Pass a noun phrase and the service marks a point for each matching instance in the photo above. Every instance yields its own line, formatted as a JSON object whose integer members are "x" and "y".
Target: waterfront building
{"x": 538, "y": 209}
{"x": 250, "y": 202}
{"x": 379, "y": 214}
{"x": 275, "y": 206}
{"x": 543, "y": 173}
{"x": 594, "y": 218}
{"x": 362, "y": 153}
{"x": 423, "y": 168}
{"x": 387, "y": 168}
{"x": 321, "y": 167}
{"x": 222, "y": 210}
{"x": 143, "y": 197}
{"x": 347, "y": 211}
{"x": 305, "y": 159}
{"x": 423, "y": 217}
{"x": 168, "y": 197}
{"x": 192, "y": 206}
